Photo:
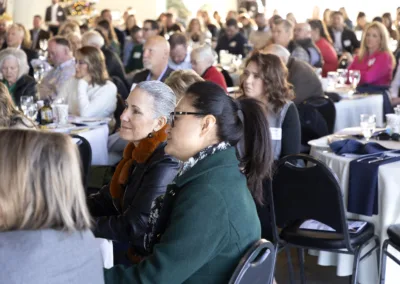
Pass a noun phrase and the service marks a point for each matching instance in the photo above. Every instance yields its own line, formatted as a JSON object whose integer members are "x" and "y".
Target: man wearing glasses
{"x": 150, "y": 29}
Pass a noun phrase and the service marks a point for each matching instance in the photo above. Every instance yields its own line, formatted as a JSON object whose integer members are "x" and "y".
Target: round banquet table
{"x": 388, "y": 212}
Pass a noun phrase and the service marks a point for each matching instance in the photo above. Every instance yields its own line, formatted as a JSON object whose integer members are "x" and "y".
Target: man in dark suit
{"x": 55, "y": 16}
{"x": 37, "y": 33}
{"x": 233, "y": 40}
{"x": 155, "y": 60}
{"x": 15, "y": 38}
{"x": 344, "y": 39}
{"x": 106, "y": 15}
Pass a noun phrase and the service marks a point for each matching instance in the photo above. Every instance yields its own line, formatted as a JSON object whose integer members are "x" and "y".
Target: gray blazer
{"x": 50, "y": 256}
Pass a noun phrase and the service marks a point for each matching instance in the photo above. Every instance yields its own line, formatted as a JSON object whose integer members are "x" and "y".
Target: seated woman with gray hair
{"x": 202, "y": 60}
{"x": 45, "y": 233}
{"x": 123, "y": 206}
{"x": 14, "y": 69}
{"x": 90, "y": 93}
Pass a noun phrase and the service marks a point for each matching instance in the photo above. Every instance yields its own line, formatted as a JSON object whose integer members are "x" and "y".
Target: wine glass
{"x": 32, "y": 112}
{"x": 25, "y": 102}
{"x": 43, "y": 44}
{"x": 368, "y": 125}
{"x": 342, "y": 76}
{"x": 354, "y": 78}
{"x": 332, "y": 78}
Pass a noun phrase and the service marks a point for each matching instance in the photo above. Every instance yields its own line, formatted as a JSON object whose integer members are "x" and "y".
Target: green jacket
{"x": 213, "y": 222}
{"x": 135, "y": 61}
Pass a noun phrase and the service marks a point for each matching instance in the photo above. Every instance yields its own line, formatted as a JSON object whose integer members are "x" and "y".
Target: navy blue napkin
{"x": 351, "y": 146}
{"x": 363, "y": 183}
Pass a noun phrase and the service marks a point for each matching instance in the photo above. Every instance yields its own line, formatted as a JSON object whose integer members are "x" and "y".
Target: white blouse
{"x": 89, "y": 100}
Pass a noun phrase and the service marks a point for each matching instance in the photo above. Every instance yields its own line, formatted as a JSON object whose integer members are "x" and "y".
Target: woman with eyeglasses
{"x": 207, "y": 219}
{"x": 90, "y": 93}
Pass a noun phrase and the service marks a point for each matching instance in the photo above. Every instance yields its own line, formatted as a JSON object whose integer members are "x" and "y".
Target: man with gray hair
{"x": 114, "y": 64}
{"x": 156, "y": 52}
{"x": 302, "y": 36}
{"x": 305, "y": 82}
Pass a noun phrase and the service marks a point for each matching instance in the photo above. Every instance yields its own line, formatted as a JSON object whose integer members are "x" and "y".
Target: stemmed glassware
{"x": 28, "y": 107}
{"x": 354, "y": 78}
{"x": 368, "y": 125}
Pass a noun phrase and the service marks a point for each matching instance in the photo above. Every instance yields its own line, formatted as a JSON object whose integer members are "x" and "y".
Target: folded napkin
{"x": 363, "y": 182}
{"x": 350, "y": 146}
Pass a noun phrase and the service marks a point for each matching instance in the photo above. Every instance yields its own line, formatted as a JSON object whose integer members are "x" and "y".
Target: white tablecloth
{"x": 98, "y": 139}
{"x": 389, "y": 212}
{"x": 348, "y": 110}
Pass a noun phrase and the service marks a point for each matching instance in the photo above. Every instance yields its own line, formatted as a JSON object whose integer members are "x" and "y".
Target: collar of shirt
{"x": 66, "y": 63}
{"x": 160, "y": 77}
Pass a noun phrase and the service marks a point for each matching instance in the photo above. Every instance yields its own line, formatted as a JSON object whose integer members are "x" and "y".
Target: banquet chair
{"x": 313, "y": 192}
{"x": 85, "y": 152}
{"x": 257, "y": 265}
{"x": 326, "y": 107}
{"x": 118, "y": 112}
{"x": 394, "y": 240}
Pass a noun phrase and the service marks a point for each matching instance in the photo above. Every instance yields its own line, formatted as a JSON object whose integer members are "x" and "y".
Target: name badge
{"x": 371, "y": 62}
{"x": 347, "y": 42}
{"x": 60, "y": 13}
{"x": 137, "y": 55}
{"x": 276, "y": 133}
{"x": 232, "y": 44}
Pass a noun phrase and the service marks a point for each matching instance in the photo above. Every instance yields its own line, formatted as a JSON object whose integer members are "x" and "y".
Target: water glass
{"x": 342, "y": 76}
{"x": 332, "y": 79}
{"x": 25, "y": 102}
{"x": 354, "y": 78}
{"x": 368, "y": 125}
{"x": 32, "y": 111}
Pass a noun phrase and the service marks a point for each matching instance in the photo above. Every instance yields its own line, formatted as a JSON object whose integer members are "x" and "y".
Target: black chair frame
{"x": 386, "y": 253}
{"x": 356, "y": 251}
{"x": 85, "y": 158}
{"x": 253, "y": 259}
{"x": 324, "y": 102}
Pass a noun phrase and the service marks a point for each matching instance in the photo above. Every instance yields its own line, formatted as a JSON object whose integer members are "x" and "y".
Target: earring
{"x": 150, "y": 135}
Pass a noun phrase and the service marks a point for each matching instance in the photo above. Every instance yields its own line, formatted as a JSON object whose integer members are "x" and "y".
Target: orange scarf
{"x": 140, "y": 154}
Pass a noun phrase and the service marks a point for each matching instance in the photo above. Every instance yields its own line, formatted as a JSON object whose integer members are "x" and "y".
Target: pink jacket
{"x": 376, "y": 69}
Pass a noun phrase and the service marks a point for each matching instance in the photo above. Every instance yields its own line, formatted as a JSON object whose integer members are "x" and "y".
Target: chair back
{"x": 313, "y": 124}
{"x": 326, "y": 107}
{"x": 227, "y": 77}
{"x": 118, "y": 111}
{"x": 122, "y": 89}
{"x": 85, "y": 152}
{"x": 257, "y": 265}
{"x": 308, "y": 192}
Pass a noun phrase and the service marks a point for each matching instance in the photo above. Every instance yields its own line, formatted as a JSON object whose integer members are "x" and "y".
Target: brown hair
{"x": 321, "y": 27}
{"x": 180, "y": 80}
{"x": 96, "y": 64}
{"x": 111, "y": 35}
{"x": 40, "y": 182}
{"x": 71, "y": 25}
{"x": 274, "y": 75}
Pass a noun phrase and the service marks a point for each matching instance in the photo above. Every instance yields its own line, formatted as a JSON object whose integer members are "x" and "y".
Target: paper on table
{"x": 354, "y": 226}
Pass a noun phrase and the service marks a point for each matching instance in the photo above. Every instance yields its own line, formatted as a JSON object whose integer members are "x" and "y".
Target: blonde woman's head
{"x": 375, "y": 38}
{"x": 40, "y": 182}
{"x": 180, "y": 80}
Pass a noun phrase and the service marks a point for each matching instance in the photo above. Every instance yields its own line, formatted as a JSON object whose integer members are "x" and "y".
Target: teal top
{"x": 11, "y": 89}
{"x": 212, "y": 224}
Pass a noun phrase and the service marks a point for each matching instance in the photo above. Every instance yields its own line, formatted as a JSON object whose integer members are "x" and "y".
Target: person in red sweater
{"x": 202, "y": 59}
{"x": 323, "y": 41}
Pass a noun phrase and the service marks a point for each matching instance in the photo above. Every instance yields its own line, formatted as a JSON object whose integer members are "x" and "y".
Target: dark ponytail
{"x": 241, "y": 121}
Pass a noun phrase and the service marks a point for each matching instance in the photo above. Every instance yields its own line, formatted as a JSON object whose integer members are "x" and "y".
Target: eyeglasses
{"x": 174, "y": 113}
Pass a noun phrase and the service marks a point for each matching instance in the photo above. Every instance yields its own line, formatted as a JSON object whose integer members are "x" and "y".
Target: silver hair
{"x": 164, "y": 97}
{"x": 204, "y": 53}
{"x": 279, "y": 51}
{"x": 92, "y": 38}
{"x": 19, "y": 55}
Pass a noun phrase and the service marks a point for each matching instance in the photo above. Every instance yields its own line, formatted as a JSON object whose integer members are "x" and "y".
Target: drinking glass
{"x": 25, "y": 102}
{"x": 368, "y": 125}
{"x": 43, "y": 44}
{"x": 332, "y": 79}
{"x": 354, "y": 78}
{"x": 32, "y": 111}
{"x": 342, "y": 76}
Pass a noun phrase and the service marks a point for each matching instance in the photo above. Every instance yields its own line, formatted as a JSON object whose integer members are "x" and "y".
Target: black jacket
{"x": 234, "y": 45}
{"x": 147, "y": 181}
{"x": 142, "y": 75}
{"x": 114, "y": 65}
{"x": 61, "y": 14}
{"x": 42, "y": 36}
{"x": 121, "y": 39}
{"x": 25, "y": 86}
{"x": 349, "y": 40}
